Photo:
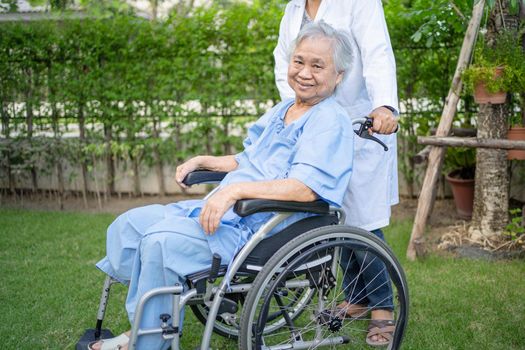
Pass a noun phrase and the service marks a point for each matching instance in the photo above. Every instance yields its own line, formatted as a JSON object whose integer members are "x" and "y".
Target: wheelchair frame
{"x": 170, "y": 330}
{"x": 181, "y": 298}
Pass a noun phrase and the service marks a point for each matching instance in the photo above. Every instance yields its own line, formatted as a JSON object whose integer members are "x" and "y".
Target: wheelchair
{"x": 282, "y": 291}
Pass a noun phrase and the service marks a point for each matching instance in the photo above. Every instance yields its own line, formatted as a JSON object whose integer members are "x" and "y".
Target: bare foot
{"x": 120, "y": 346}
{"x": 353, "y": 310}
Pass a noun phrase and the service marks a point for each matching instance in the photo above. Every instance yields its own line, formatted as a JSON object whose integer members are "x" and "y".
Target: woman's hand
{"x": 215, "y": 208}
{"x": 213, "y": 163}
{"x": 384, "y": 121}
{"x": 186, "y": 168}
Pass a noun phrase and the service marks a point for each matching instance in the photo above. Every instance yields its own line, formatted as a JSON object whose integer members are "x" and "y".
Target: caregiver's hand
{"x": 384, "y": 121}
{"x": 215, "y": 208}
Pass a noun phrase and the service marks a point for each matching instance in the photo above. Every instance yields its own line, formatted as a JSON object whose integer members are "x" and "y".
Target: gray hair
{"x": 341, "y": 47}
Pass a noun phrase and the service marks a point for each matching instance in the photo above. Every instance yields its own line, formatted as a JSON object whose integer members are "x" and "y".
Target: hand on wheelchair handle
{"x": 383, "y": 121}
{"x": 365, "y": 130}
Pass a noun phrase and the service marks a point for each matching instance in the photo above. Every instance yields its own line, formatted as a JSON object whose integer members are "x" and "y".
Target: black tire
{"x": 319, "y": 320}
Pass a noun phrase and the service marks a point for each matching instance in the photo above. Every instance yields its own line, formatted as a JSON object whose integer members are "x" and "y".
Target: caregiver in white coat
{"x": 370, "y": 89}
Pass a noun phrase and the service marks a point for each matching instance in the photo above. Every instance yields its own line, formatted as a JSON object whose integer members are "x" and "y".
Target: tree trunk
{"x": 154, "y": 4}
{"x": 159, "y": 164}
{"x": 135, "y": 153}
{"x": 58, "y": 160}
{"x": 110, "y": 165}
{"x": 56, "y": 133}
{"x": 491, "y": 196}
{"x": 136, "y": 176}
{"x": 7, "y": 154}
{"x": 226, "y": 130}
{"x": 522, "y": 107}
{"x": 83, "y": 165}
{"x": 29, "y": 122}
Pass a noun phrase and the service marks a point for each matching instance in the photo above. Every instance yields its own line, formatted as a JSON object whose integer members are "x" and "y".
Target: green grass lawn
{"x": 49, "y": 289}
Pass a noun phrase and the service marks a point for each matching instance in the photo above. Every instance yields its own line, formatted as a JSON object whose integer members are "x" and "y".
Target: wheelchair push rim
{"x": 320, "y": 326}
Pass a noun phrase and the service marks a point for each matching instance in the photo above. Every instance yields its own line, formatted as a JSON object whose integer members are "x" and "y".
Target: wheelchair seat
{"x": 268, "y": 247}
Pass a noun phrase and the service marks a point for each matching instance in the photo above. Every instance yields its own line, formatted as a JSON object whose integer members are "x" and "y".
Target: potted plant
{"x": 460, "y": 165}
{"x": 517, "y": 132}
{"x": 497, "y": 69}
{"x": 487, "y": 84}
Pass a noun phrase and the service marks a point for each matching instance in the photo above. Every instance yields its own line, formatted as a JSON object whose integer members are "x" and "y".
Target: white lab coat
{"x": 369, "y": 83}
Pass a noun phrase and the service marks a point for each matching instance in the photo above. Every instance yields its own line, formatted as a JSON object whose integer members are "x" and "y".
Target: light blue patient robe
{"x": 157, "y": 245}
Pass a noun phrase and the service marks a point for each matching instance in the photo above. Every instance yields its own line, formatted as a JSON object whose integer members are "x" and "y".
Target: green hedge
{"x": 134, "y": 86}
{"x": 128, "y": 87}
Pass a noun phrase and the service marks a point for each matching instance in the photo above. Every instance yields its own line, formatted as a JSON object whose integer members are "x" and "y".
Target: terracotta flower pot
{"x": 463, "y": 192}
{"x": 483, "y": 96}
{"x": 516, "y": 133}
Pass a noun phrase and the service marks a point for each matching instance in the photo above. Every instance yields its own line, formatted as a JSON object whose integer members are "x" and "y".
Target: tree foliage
{"x": 180, "y": 86}
{"x": 185, "y": 85}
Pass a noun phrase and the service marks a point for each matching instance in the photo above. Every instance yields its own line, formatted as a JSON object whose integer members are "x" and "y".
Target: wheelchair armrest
{"x": 247, "y": 207}
{"x": 203, "y": 176}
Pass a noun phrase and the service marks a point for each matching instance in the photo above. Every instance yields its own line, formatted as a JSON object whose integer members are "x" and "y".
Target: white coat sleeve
{"x": 379, "y": 67}
{"x": 280, "y": 54}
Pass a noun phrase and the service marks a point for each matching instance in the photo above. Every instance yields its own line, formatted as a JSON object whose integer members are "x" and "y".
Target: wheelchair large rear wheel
{"x": 319, "y": 259}
{"x": 228, "y": 325}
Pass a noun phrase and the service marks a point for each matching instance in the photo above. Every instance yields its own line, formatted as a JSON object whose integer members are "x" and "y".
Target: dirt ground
{"x": 75, "y": 202}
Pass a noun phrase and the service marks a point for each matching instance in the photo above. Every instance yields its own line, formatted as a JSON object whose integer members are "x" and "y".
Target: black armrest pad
{"x": 247, "y": 207}
{"x": 203, "y": 176}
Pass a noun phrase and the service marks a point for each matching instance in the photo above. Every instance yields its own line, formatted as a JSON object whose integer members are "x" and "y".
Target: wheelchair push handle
{"x": 367, "y": 123}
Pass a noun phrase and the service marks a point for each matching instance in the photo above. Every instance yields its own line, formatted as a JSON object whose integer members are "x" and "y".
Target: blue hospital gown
{"x": 157, "y": 245}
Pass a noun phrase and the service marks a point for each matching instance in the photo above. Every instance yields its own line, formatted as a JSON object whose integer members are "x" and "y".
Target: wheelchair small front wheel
{"x": 339, "y": 263}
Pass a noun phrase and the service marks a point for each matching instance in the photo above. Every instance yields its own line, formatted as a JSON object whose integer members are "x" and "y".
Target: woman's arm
{"x": 222, "y": 200}
{"x": 223, "y": 163}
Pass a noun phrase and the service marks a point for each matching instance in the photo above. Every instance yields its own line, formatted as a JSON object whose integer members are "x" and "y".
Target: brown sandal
{"x": 383, "y": 328}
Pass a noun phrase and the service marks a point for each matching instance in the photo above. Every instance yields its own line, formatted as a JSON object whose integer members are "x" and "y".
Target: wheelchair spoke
{"x": 353, "y": 282}
{"x": 284, "y": 318}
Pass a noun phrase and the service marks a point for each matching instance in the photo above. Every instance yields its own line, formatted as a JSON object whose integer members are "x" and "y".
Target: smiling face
{"x": 311, "y": 72}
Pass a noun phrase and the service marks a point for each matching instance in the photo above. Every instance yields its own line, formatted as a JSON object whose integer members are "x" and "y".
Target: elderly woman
{"x": 370, "y": 88}
{"x": 300, "y": 150}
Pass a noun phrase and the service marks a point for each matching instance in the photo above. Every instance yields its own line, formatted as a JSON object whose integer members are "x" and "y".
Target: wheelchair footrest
{"x": 89, "y": 336}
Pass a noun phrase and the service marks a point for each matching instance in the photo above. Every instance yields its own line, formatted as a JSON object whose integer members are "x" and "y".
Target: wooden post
{"x": 435, "y": 158}
{"x": 471, "y": 142}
